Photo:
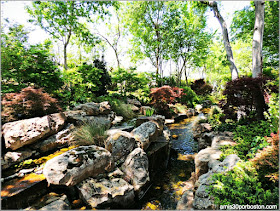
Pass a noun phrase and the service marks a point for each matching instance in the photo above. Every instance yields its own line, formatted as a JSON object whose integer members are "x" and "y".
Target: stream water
{"x": 168, "y": 187}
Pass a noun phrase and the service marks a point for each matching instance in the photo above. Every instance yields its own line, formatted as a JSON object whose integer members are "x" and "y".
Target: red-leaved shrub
{"x": 163, "y": 96}
{"x": 267, "y": 159}
{"x": 30, "y": 102}
{"x": 200, "y": 87}
{"x": 246, "y": 95}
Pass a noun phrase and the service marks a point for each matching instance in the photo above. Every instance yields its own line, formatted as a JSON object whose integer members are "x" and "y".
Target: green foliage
{"x": 272, "y": 115}
{"x": 249, "y": 139}
{"x": 89, "y": 133}
{"x": 25, "y": 65}
{"x": 28, "y": 103}
{"x": 266, "y": 161}
{"x": 243, "y": 23}
{"x": 85, "y": 82}
{"x": 189, "y": 98}
{"x": 118, "y": 106}
{"x": 128, "y": 81}
{"x": 241, "y": 186}
{"x": 149, "y": 112}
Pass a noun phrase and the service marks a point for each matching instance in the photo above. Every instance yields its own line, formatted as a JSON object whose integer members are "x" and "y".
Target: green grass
{"x": 89, "y": 134}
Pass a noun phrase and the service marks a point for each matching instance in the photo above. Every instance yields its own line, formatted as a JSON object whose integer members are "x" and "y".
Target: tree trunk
{"x": 65, "y": 56}
{"x": 258, "y": 38}
{"x": 233, "y": 68}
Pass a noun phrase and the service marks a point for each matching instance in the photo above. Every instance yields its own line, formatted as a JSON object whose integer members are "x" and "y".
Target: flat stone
{"x": 78, "y": 164}
{"x": 20, "y": 192}
{"x": 100, "y": 193}
{"x": 24, "y": 132}
{"x": 58, "y": 140}
{"x": 51, "y": 201}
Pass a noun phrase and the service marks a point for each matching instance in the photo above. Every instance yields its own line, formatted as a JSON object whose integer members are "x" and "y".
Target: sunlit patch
{"x": 14, "y": 186}
{"x": 186, "y": 157}
{"x": 153, "y": 205}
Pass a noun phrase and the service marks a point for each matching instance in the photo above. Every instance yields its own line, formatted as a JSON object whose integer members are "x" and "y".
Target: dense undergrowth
{"x": 255, "y": 178}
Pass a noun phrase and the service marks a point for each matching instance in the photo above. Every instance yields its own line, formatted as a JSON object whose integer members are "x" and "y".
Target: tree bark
{"x": 258, "y": 39}
{"x": 217, "y": 14}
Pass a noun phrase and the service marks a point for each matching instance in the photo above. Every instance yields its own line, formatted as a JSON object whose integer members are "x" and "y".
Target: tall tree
{"x": 62, "y": 19}
{"x": 242, "y": 28}
{"x": 258, "y": 38}
{"x": 217, "y": 14}
{"x": 145, "y": 21}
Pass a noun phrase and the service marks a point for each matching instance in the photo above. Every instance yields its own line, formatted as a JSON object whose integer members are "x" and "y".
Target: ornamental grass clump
{"x": 90, "y": 133}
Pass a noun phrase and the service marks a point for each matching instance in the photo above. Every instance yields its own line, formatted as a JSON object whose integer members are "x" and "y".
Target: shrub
{"x": 248, "y": 138}
{"x": 244, "y": 95}
{"x": 85, "y": 82}
{"x": 30, "y": 102}
{"x": 163, "y": 96}
{"x": 266, "y": 160}
{"x": 88, "y": 134}
{"x": 24, "y": 65}
{"x": 241, "y": 186}
{"x": 189, "y": 97}
{"x": 200, "y": 87}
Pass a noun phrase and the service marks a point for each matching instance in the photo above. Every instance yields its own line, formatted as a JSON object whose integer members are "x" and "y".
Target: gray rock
{"x": 100, "y": 193}
{"x": 11, "y": 158}
{"x": 78, "y": 164}
{"x": 185, "y": 203}
{"x": 24, "y": 132}
{"x": 94, "y": 109}
{"x": 158, "y": 119}
{"x": 136, "y": 167}
{"x": 134, "y": 102}
{"x": 51, "y": 201}
{"x": 203, "y": 203}
{"x": 120, "y": 145}
{"x": 203, "y": 158}
{"x": 145, "y": 134}
{"x": 55, "y": 141}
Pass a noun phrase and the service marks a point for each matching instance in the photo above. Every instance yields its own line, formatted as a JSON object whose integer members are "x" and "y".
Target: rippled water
{"x": 168, "y": 187}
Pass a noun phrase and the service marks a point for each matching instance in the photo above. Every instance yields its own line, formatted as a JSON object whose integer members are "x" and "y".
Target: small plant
{"x": 149, "y": 112}
{"x": 90, "y": 133}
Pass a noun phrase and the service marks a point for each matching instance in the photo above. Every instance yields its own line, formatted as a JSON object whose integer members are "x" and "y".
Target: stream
{"x": 168, "y": 187}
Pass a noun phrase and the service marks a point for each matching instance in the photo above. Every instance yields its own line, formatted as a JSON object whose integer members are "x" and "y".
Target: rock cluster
{"x": 109, "y": 177}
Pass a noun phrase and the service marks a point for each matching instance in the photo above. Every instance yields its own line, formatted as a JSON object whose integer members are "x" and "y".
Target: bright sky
{"x": 14, "y": 11}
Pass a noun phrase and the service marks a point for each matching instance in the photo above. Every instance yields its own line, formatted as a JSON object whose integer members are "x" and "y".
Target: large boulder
{"x": 78, "y": 164}
{"x": 120, "y": 145}
{"x": 24, "y": 132}
{"x": 62, "y": 138}
{"x": 136, "y": 167}
{"x": 145, "y": 134}
{"x": 106, "y": 193}
{"x": 203, "y": 158}
{"x": 94, "y": 109}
